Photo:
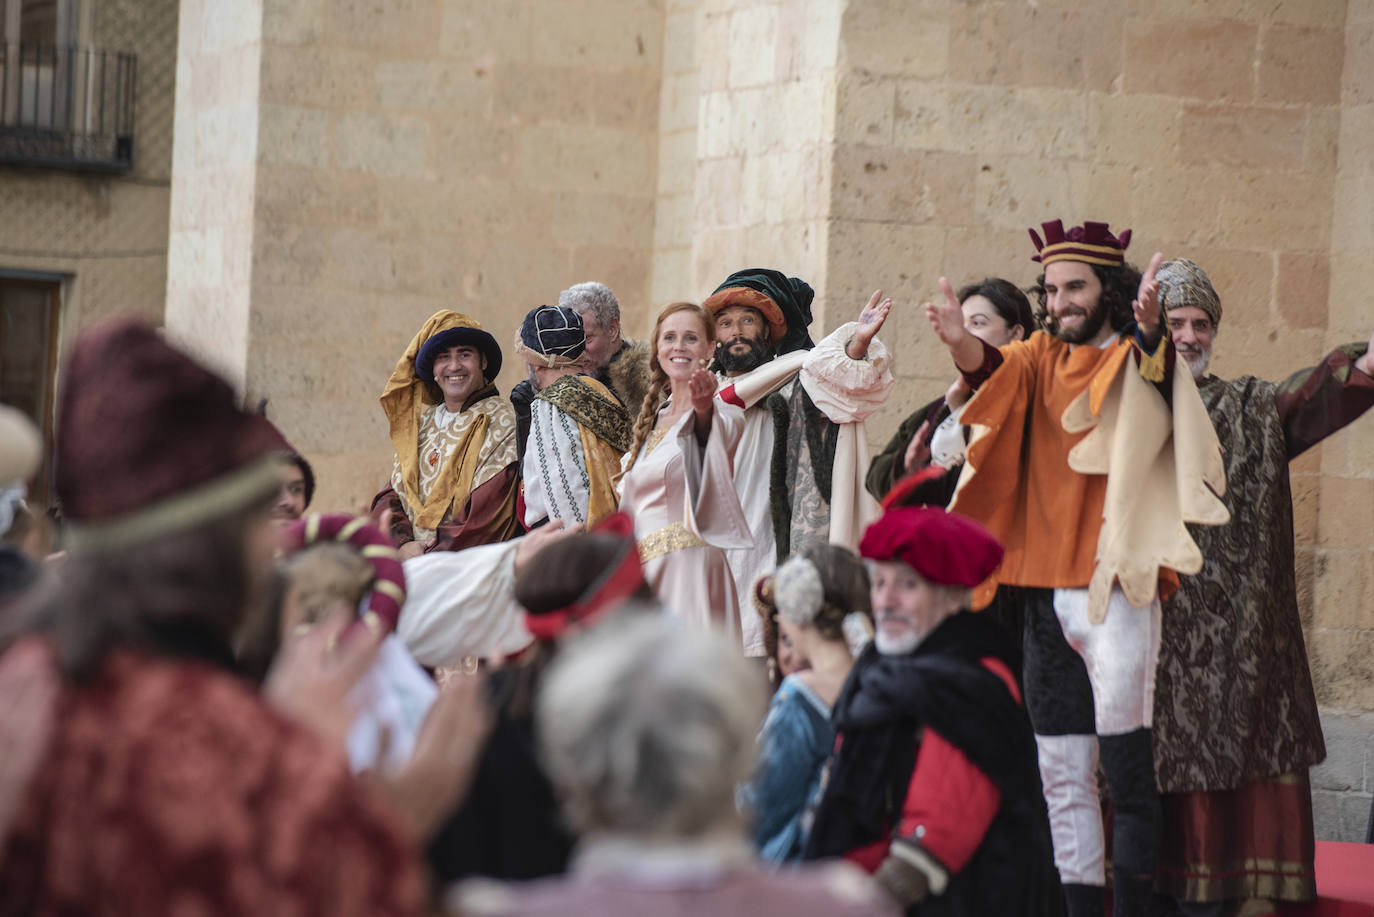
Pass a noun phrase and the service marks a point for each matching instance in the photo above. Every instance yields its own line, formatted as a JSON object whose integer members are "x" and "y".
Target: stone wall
{"x": 106, "y": 234}
{"x": 882, "y": 143}
{"x": 411, "y": 157}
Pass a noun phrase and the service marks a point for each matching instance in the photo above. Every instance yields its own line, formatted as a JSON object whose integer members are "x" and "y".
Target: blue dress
{"x": 794, "y": 744}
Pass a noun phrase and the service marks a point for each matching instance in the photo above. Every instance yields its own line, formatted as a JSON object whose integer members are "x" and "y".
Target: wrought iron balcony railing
{"x": 66, "y": 107}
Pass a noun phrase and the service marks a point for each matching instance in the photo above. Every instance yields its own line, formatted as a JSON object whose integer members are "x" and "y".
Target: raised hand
{"x": 870, "y": 323}
{"x": 947, "y": 318}
{"x": 917, "y": 451}
{"x": 530, "y": 545}
{"x": 1146, "y": 304}
{"x": 702, "y": 388}
{"x": 314, "y": 673}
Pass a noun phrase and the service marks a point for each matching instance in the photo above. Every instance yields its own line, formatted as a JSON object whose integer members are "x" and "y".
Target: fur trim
{"x": 628, "y": 375}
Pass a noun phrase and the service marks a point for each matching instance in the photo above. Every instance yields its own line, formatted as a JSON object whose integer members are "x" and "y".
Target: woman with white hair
{"x": 823, "y": 608}
{"x": 646, "y": 730}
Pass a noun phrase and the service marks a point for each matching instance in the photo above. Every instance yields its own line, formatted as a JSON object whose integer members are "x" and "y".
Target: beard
{"x": 1091, "y": 325}
{"x": 736, "y": 363}
{"x": 896, "y": 646}
{"x": 1197, "y": 358}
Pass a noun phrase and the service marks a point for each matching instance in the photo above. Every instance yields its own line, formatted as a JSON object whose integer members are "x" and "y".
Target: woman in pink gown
{"x": 677, "y": 482}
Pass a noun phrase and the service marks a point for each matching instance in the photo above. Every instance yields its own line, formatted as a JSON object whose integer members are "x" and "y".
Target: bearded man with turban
{"x": 800, "y": 466}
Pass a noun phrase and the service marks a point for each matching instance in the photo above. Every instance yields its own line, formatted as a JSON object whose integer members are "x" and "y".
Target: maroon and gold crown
{"x": 1092, "y": 243}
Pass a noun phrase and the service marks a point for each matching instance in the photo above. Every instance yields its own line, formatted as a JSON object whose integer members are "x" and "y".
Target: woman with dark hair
{"x": 996, "y": 311}
{"x": 139, "y": 773}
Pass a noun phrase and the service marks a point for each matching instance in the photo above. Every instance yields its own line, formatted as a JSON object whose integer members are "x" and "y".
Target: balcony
{"x": 66, "y": 107}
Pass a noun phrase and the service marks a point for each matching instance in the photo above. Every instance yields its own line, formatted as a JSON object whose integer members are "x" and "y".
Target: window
{"x": 63, "y": 102}
{"x": 28, "y": 364}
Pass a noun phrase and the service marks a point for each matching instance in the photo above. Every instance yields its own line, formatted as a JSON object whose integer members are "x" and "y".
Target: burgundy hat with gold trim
{"x": 1092, "y": 243}
{"x": 149, "y": 441}
{"x": 387, "y": 593}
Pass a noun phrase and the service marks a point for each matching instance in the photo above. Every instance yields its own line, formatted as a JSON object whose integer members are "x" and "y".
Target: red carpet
{"x": 1345, "y": 882}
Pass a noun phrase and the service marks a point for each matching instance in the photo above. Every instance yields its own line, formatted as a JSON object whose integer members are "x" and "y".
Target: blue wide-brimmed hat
{"x": 461, "y": 336}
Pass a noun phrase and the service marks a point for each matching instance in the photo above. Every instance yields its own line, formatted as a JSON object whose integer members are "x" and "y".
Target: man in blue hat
{"x": 456, "y": 477}
{"x": 802, "y": 456}
{"x": 578, "y": 428}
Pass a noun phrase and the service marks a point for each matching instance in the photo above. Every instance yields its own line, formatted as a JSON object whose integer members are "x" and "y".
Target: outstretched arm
{"x": 947, "y": 318}
{"x": 870, "y": 322}
{"x": 1146, "y": 305}
{"x": 702, "y": 388}
{"x": 1316, "y": 402}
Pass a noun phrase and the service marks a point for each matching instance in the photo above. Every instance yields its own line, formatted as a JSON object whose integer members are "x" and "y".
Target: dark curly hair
{"x": 1119, "y": 288}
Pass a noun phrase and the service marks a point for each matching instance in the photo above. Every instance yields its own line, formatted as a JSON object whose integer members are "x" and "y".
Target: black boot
{"x": 1084, "y": 900}
{"x": 1128, "y": 764}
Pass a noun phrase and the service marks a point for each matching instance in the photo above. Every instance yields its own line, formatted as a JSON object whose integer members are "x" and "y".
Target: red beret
{"x": 945, "y": 548}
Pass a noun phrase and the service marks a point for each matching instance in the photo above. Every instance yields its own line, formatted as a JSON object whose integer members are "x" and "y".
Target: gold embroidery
{"x": 654, "y": 438}
{"x": 666, "y": 540}
{"x": 593, "y": 406}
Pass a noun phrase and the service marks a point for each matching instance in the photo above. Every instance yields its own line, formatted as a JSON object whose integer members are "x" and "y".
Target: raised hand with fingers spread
{"x": 870, "y": 323}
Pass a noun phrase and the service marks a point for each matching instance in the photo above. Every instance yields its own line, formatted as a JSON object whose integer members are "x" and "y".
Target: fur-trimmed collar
{"x": 628, "y": 374}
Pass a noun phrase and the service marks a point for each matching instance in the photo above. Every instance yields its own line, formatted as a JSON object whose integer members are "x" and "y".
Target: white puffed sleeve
{"x": 462, "y": 603}
{"x": 847, "y": 390}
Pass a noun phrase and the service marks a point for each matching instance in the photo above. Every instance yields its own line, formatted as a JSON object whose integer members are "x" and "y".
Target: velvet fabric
{"x": 140, "y": 421}
{"x": 944, "y": 686}
{"x": 945, "y": 548}
{"x": 789, "y": 297}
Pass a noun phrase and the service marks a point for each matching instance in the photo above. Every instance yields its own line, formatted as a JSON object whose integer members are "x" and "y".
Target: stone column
{"x": 1341, "y": 629}
{"x": 766, "y": 121}
{"x": 214, "y": 160}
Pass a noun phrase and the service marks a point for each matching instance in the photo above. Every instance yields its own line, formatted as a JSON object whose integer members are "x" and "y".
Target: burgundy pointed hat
{"x": 1092, "y": 243}
{"x": 149, "y": 441}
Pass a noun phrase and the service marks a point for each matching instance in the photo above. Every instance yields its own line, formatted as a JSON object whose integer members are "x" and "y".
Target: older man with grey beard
{"x": 1236, "y": 724}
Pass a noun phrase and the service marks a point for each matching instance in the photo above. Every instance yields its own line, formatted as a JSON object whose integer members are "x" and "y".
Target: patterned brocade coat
{"x": 1234, "y": 700}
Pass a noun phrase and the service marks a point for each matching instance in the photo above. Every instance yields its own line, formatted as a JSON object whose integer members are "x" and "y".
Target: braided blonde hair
{"x": 658, "y": 379}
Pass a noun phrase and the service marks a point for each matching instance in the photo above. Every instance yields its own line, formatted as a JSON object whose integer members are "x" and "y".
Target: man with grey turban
{"x": 1235, "y": 717}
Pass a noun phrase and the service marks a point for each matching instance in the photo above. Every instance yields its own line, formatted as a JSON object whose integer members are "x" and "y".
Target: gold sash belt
{"x": 666, "y": 540}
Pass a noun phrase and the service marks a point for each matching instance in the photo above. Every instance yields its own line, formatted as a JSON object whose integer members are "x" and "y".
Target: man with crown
{"x": 1089, "y": 450}
{"x": 456, "y": 475}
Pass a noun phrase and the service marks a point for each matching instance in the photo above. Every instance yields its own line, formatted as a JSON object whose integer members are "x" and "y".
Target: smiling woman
{"x": 677, "y": 482}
